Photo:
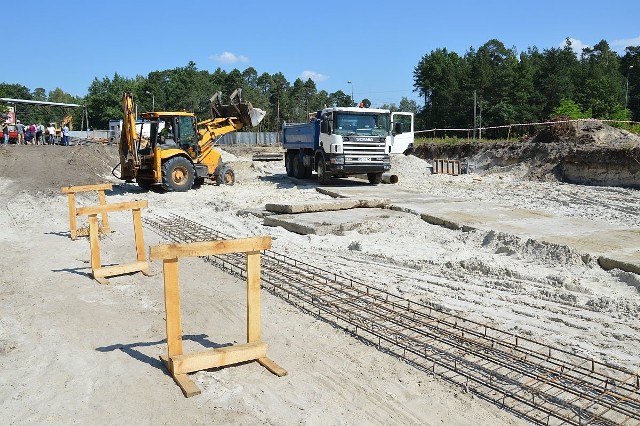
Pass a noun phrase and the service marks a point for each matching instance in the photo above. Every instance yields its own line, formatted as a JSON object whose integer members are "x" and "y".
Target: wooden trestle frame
{"x": 180, "y": 364}
{"x": 71, "y": 192}
{"x": 99, "y": 272}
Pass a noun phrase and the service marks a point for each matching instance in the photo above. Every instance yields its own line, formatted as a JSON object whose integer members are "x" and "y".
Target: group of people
{"x": 36, "y": 134}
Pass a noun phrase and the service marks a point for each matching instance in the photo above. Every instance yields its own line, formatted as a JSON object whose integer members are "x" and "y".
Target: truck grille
{"x": 362, "y": 151}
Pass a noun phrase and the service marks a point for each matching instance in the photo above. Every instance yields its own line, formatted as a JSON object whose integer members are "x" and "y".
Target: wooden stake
{"x": 71, "y": 191}
{"x": 99, "y": 272}
{"x": 179, "y": 363}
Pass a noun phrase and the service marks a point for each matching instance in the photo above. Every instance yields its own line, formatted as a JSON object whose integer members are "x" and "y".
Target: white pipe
{"x": 389, "y": 178}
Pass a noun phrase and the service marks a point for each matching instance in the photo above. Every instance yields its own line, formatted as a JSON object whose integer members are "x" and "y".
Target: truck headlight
{"x": 338, "y": 159}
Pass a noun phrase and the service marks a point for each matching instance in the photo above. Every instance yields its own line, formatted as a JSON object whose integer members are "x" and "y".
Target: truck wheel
{"x": 287, "y": 164}
{"x": 177, "y": 174}
{"x": 308, "y": 171}
{"x": 321, "y": 169}
{"x": 374, "y": 178}
{"x": 226, "y": 177}
{"x": 298, "y": 167}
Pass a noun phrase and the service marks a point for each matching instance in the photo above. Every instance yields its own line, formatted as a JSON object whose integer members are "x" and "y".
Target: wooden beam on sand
{"x": 177, "y": 362}
{"x": 71, "y": 194}
{"x": 99, "y": 272}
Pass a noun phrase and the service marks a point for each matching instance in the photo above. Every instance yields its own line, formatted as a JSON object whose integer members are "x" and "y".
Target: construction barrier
{"x": 447, "y": 167}
{"x": 177, "y": 362}
{"x": 99, "y": 272}
{"x": 71, "y": 192}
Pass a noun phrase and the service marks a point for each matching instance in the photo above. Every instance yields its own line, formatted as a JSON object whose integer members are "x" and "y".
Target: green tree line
{"x": 527, "y": 87}
{"x": 187, "y": 88}
{"x": 509, "y": 88}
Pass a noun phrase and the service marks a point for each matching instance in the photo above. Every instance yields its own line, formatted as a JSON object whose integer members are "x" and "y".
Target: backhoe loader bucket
{"x": 243, "y": 111}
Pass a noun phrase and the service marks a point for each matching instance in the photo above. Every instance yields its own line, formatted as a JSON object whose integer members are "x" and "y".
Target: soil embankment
{"x": 588, "y": 153}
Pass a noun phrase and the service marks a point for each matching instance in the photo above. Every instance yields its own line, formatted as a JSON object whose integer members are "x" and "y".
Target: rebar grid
{"x": 541, "y": 383}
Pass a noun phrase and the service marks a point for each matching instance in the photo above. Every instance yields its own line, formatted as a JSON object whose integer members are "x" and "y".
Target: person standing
{"x": 31, "y": 135}
{"x": 65, "y": 135}
{"x": 52, "y": 134}
{"x": 5, "y": 133}
{"x": 20, "y": 129}
{"x": 39, "y": 134}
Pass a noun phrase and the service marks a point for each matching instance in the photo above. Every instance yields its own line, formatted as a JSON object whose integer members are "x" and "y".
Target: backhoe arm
{"x": 129, "y": 160}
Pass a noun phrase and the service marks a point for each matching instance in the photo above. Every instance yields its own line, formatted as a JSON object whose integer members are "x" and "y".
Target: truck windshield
{"x": 362, "y": 124}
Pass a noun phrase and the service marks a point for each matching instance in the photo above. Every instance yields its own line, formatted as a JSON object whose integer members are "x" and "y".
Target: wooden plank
{"x": 130, "y": 205}
{"x": 93, "y": 243}
{"x": 267, "y": 157}
{"x": 208, "y": 248}
{"x": 253, "y": 297}
{"x": 105, "y": 217}
{"x": 188, "y": 386}
{"x": 212, "y": 358}
{"x": 127, "y": 268}
{"x": 172, "y": 307}
{"x": 73, "y": 228}
{"x": 272, "y": 366}
{"x": 82, "y": 188}
{"x": 137, "y": 229}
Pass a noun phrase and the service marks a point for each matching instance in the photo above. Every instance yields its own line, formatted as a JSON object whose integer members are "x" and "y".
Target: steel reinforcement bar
{"x": 538, "y": 382}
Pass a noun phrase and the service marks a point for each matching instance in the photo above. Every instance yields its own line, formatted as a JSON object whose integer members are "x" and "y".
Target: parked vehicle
{"x": 180, "y": 149}
{"x": 340, "y": 142}
{"x": 13, "y": 134}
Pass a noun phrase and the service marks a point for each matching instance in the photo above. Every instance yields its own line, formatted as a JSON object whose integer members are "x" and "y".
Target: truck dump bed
{"x": 301, "y": 135}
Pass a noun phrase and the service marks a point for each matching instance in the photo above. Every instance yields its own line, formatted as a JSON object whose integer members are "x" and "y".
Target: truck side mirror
{"x": 397, "y": 128}
{"x": 324, "y": 126}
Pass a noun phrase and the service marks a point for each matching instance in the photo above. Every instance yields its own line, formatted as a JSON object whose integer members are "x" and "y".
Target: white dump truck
{"x": 340, "y": 142}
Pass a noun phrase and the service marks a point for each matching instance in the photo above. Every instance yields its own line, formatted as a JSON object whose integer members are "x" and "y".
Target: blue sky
{"x": 375, "y": 45}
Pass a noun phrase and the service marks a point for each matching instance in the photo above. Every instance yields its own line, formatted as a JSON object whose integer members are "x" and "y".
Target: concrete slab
{"x": 613, "y": 246}
{"x": 326, "y": 205}
{"x": 330, "y": 222}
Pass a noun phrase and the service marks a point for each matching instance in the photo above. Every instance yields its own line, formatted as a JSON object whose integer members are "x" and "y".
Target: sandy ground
{"x": 75, "y": 351}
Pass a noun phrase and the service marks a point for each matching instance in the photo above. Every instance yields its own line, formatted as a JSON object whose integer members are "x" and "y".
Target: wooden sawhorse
{"x": 178, "y": 363}
{"x": 99, "y": 272}
{"x": 71, "y": 192}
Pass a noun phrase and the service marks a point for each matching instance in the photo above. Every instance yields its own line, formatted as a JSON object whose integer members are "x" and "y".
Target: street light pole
{"x": 352, "y": 100}
{"x": 153, "y": 101}
{"x": 626, "y": 97}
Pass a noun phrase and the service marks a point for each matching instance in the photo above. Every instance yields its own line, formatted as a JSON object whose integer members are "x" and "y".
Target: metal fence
{"x": 250, "y": 138}
{"x": 235, "y": 138}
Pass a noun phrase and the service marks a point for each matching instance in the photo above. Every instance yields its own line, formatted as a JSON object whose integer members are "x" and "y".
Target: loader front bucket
{"x": 243, "y": 111}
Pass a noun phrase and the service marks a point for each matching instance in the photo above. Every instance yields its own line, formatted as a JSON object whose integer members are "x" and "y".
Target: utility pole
{"x": 475, "y": 119}
{"x": 480, "y": 123}
{"x": 626, "y": 97}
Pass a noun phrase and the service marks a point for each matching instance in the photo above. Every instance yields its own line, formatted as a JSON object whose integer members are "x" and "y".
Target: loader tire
{"x": 144, "y": 183}
{"x": 177, "y": 174}
{"x": 226, "y": 177}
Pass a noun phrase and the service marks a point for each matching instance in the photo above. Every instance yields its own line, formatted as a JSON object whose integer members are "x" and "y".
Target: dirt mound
{"x": 588, "y": 132}
{"x": 588, "y": 152}
{"x": 45, "y": 169}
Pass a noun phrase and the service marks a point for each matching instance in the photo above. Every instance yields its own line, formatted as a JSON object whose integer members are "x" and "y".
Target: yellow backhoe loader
{"x": 180, "y": 150}
{"x": 65, "y": 121}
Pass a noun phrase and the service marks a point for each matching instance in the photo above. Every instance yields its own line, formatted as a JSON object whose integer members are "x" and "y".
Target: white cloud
{"x": 576, "y": 45}
{"x": 229, "y": 58}
{"x": 616, "y": 45}
{"x": 313, "y": 76}
{"x": 619, "y": 45}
